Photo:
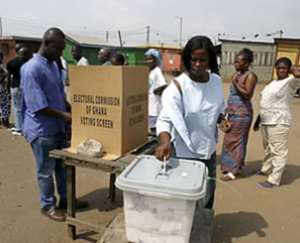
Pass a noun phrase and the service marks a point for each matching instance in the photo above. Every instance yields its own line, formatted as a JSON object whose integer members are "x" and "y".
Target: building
{"x": 171, "y": 55}
{"x": 264, "y": 57}
{"x": 8, "y": 45}
{"x": 90, "y": 46}
{"x": 288, "y": 47}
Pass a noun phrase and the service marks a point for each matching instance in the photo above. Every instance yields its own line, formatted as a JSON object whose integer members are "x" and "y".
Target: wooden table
{"x": 114, "y": 167}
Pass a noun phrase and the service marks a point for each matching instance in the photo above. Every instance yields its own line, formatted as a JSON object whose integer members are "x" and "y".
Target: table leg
{"x": 112, "y": 188}
{"x": 71, "y": 194}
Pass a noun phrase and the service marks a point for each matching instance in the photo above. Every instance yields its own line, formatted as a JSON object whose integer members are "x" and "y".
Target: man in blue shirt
{"x": 45, "y": 117}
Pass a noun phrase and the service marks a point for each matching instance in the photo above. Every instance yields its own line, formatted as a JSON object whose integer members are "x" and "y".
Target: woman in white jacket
{"x": 193, "y": 104}
{"x": 275, "y": 120}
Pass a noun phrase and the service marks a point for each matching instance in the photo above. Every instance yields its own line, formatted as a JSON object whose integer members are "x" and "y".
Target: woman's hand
{"x": 234, "y": 78}
{"x": 225, "y": 126}
{"x": 246, "y": 90}
{"x": 296, "y": 71}
{"x": 163, "y": 151}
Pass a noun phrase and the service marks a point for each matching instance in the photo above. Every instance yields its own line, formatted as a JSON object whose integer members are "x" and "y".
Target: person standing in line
{"x": 14, "y": 79}
{"x": 192, "y": 106}
{"x": 275, "y": 120}
{"x": 118, "y": 59}
{"x": 104, "y": 56}
{"x": 240, "y": 115}
{"x": 156, "y": 80}
{"x": 45, "y": 116}
{"x": 77, "y": 55}
{"x": 4, "y": 95}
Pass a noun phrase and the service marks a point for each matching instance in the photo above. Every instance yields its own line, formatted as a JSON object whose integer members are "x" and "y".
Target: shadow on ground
{"x": 238, "y": 225}
{"x": 98, "y": 199}
{"x": 89, "y": 236}
{"x": 291, "y": 172}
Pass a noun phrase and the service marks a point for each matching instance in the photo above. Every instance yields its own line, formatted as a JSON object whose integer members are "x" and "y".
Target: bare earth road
{"x": 244, "y": 212}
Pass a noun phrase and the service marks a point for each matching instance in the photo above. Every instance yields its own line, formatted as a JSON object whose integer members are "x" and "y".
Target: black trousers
{"x": 211, "y": 165}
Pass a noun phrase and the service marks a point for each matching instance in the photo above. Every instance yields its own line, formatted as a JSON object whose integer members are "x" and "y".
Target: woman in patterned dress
{"x": 240, "y": 115}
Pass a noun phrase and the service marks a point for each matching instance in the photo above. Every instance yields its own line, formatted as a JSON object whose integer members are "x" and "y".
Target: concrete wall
{"x": 264, "y": 59}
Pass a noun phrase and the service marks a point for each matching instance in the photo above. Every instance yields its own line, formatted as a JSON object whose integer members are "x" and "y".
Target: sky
{"x": 233, "y": 19}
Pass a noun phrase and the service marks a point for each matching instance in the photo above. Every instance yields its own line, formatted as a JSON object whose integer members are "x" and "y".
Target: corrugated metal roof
{"x": 24, "y": 38}
{"x": 162, "y": 46}
{"x": 87, "y": 41}
{"x": 250, "y": 41}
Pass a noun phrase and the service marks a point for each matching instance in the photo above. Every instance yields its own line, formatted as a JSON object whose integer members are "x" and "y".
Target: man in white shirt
{"x": 77, "y": 55}
{"x": 104, "y": 56}
{"x": 275, "y": 120}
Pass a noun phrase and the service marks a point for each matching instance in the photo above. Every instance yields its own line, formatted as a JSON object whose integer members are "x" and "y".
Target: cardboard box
{"x": 110, "y": 105}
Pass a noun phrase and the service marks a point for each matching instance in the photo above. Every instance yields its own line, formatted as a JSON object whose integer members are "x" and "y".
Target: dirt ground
{"x": 244, "y": 212}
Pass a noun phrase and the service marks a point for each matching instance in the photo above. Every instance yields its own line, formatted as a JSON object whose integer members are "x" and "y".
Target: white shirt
{"x": 83, "y": 62}
{"x": 156, "y": 79}
{"x": 275, "y": 101}
{"x": 191, "y": 118}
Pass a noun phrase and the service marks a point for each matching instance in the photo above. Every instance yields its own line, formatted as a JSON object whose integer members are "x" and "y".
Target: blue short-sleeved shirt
{"x": 42, "y": 87}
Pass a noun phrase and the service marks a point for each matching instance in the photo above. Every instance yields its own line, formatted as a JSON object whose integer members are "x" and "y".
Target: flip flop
{"x": 228, "y": 177}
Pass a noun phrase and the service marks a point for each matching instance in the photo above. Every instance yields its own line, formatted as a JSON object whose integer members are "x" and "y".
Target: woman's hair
{"x": 200, "y": 42}
{"x": 247, "y": 54}
{"x": 283, "y": 60}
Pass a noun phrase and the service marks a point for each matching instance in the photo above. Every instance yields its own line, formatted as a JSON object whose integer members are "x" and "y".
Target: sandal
{"x": 228, "y": 177}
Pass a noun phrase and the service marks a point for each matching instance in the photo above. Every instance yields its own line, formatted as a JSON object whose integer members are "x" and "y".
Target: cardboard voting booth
{"x": 110, "y": 105}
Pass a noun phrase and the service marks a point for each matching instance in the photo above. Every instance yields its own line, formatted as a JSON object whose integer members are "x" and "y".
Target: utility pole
{"x": 280, "y": 33}
{"x": 148, "y": 35}
{"x": 120, "y": 38}
{"x": 107, "y": 36}
{"x": 1, "y": 28}
{"x": 180, "y": 30}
